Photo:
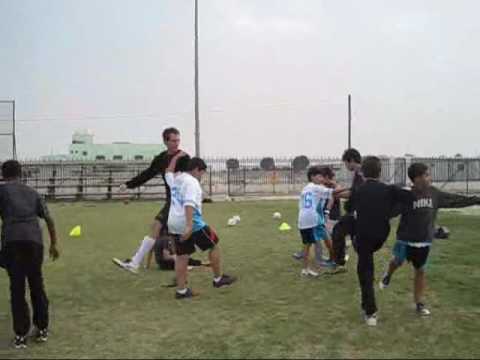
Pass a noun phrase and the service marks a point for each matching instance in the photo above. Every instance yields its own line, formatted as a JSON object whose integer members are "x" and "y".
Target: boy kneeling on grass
{"x": 417, "y": 227}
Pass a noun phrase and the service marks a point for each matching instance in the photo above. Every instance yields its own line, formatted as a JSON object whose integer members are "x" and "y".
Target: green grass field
{"x": 98, "y": 310}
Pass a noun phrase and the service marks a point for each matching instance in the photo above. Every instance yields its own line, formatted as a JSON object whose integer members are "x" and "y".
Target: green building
{"x": 83, "y": 148}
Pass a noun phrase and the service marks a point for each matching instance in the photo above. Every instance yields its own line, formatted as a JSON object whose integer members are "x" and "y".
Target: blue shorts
{"x": 312, "y": 235}
{"x": 418, "y": 256}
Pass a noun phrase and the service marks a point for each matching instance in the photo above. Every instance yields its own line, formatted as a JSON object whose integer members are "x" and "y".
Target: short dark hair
{"x": 197, "y": 163}
{"x": 416, "y": 170}
{"x": 182, "y": 163}
{"x": 328, "y": 172}
{"x": 11, "y": 169}
{"x": 169, "y": 131}
{"x": 371, "y": 167}
{"x": 313, "y": 171}
{"x": 352, "y": 155}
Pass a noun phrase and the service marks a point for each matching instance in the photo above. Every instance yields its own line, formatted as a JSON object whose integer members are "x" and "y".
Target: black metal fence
{"x": 100, "y": 180}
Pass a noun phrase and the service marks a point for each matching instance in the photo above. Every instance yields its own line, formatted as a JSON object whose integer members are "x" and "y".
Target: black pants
{"x": 24, "y": 262}
{"x": 344, "y": 227}
{"x": 366, "y": 271}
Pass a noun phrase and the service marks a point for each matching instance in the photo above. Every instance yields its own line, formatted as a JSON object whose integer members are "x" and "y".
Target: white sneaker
{"x": 304, "y": 272}
{"x": 125, "y": 265}
{"x": 371, "y": 320}
{"x": 421, "y": 310}
{"x": 312, "y": 273}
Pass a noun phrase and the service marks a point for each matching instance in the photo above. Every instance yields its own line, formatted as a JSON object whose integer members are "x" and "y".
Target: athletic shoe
{"x": 422, "y": 310}
{"x": 326, "y": 263}
{"x": 312, "y": 273}
{"x": 125, "y": 265}
{"x": 298, "y": 255}
{"x": 337, "y": 269}
{"x": 42, "y": 336}
{"x": 384, "y": 282}
{"x": 371, "y": 320}
{"x": 20, "y": 342}
{"x": 309, "y": 272}
{"x": 188, "y": 295}
{"x": 225, "y": 280}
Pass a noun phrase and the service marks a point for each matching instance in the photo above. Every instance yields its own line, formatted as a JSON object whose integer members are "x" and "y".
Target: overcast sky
{"x": 274, "y": 75}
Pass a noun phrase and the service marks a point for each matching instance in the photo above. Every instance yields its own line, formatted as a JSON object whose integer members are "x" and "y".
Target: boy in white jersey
{"x": 314, "y": 199}
{"x": 186, "y": 224}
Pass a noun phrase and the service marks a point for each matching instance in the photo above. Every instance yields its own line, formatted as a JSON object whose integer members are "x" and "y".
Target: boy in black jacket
{"x": 416, "y": 229}
{"x": 372, "y": 204}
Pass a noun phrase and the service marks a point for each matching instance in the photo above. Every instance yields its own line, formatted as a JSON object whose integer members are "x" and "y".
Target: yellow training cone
{"x": 76, "y": 231}
{"x": 285, "y": 227}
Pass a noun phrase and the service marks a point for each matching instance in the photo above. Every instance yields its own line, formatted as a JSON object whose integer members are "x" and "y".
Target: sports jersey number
{"x": 308, "y": 200}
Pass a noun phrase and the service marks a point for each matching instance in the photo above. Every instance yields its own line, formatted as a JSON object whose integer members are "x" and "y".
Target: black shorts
{"x": 204, "y": 239}
{"x": 418, "y": 256}
{"x": 162, "y": 217}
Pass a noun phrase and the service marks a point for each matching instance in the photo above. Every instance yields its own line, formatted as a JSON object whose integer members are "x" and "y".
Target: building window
{"x": 100, "y": 157}
{"x": 117, "y": 157}
{"x": 138, "y": 157}
{"x": 85, "y": 153}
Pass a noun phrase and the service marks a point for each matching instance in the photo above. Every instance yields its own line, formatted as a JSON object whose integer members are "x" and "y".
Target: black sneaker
{"x": 422, "y": 310}
{"x": 189, "y": 294}
{"x": 42, "y": 336}
{"x": 384, "y": 282}
{"x": 225, "y": 280}
{"x": 20, "y": 342}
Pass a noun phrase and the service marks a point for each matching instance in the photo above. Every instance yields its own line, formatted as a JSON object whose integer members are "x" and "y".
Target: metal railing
{"x": 99, "y": 180}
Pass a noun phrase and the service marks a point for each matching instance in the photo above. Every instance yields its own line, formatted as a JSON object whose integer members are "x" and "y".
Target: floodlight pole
{"x": 349, "y": 121}
{"x": 14, "y": 142}
{"x": 197, "y": 112}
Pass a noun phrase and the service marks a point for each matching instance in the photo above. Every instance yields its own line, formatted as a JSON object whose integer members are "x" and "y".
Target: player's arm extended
{"x": 449, "y": 200}
{"x": 173, "y": 162}
{"x": 189, "y": 222}
{"x": 153, "y": 170}
{"x": 44, "y": 213}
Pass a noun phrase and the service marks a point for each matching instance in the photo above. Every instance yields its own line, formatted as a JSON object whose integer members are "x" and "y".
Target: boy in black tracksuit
{"x": 416, "y": 229}
{"x": 23, "y": 248}
{"x": 372, "y": 204}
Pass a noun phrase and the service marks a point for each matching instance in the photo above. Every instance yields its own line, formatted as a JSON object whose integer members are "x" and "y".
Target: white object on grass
{"x": 232, "y": 222}
{"x": 277, "y": 215}
{"x": 236, "y": 218}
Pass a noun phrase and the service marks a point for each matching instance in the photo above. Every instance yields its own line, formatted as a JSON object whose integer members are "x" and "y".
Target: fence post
{"x": 51, "y": 185}
{"x": 244, "y": 181}
{"x": 468, "y": 173}
{"x": 80, "y": 185}
{"x": 210, "y": 181}
{"x": 109, "y": 187}
{"x": 228, "y": 181}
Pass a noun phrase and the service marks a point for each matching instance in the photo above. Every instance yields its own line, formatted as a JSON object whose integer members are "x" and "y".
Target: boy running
{"x": 186, "y": 224}
{"x": 416, "y": 229}
{"x": 315, "y": 202}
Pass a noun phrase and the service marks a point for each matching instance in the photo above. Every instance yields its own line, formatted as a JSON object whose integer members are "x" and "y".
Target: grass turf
{"x": 98, "y": 310}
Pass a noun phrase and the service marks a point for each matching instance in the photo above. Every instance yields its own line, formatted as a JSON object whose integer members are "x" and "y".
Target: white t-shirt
{"x": 186, "y": 191}
{"x": 312, "y": 203}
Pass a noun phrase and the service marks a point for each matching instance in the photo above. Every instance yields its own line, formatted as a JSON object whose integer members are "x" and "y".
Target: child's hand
{"x": 54, "y": 253}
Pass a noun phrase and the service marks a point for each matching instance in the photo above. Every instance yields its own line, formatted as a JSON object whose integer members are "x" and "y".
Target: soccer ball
{"x": 232, "y": 222}
{"x": 277, "y": 215}
{"x": 236, "y": 218}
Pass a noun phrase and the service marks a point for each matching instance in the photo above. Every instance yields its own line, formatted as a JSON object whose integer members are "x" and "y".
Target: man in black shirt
{"x": 22, "y": 248}
{"x": 345, "y": 226}
{"x": 171, "y": 139}
{"x": 417, "y": 226}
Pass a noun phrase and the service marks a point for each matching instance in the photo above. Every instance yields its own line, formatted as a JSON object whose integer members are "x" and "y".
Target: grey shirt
{"x": 20, "y": 208}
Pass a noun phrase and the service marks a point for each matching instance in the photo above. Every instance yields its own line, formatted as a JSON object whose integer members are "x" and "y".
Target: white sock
{"x": 217, "y": 279}
{"x": 145, "y": 247}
